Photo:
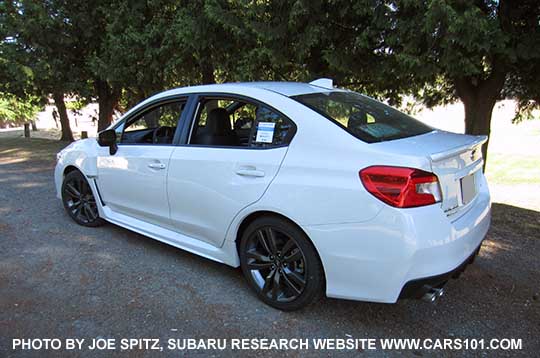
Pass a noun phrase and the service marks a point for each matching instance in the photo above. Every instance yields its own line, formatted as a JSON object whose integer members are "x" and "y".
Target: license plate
{"x": 468, "y": 188}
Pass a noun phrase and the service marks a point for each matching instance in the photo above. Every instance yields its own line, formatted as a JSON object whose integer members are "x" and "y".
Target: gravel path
{"x": 58, "y": 279}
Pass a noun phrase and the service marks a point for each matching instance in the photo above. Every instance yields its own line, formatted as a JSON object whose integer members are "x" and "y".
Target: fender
{"x": 83, "y": 155}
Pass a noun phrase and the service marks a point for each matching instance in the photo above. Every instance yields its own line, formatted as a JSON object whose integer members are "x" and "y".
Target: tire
{"x": 281, "y": 264}
{"x": 79, "y": 201}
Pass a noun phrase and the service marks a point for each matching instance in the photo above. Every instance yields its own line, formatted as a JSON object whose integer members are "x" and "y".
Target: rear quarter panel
{"x": 318, "y": 182}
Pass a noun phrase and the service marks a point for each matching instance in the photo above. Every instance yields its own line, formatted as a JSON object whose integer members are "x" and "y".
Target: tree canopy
{"x": 16, "y": 111}
{"x": 475, "y": 51}
{"x": 119, "y": 52}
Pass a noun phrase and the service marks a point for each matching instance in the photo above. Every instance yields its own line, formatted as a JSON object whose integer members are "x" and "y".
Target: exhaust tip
{"x": 433, "y": 294}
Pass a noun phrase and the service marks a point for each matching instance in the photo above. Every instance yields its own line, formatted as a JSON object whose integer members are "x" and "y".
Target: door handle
{"x": 250, "y": 173}
{"x": 156, "y": 165}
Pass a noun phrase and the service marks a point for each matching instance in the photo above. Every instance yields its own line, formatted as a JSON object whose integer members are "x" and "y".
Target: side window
{"x": 208, "y": 106}
{"x": 243, "y": 122}
{"x": 238, "y": 123}
{"x": 213, "y": 124}
{"x": 272, "y": 129}
{"x": 154, "y": 126}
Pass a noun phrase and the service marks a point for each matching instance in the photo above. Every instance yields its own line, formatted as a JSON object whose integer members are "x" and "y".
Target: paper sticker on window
{"x": 265, "y": 132}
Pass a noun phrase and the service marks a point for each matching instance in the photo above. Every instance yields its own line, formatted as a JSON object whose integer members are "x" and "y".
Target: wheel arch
{"x": 69, "y": 168}
{"x": 91, "y": 220}
{"x": 246, "y": 221}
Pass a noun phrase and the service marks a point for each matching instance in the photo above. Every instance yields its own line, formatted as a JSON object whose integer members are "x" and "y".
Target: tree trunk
{"x": 67, "y": 135}
{"x": 26, "y": 130}
{"x": 207, "y": 71}
{"x": 107, "y": 100}
{"x": 34, "y": 127}
{"x": 479, "y": 98}
{"x": 478, "y": 113}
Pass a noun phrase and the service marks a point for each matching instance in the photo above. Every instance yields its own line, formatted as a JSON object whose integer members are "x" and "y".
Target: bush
{"x": 15, "y": 111}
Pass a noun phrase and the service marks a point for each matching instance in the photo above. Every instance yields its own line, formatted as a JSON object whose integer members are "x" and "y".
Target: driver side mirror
{"x": 107, "y": 138}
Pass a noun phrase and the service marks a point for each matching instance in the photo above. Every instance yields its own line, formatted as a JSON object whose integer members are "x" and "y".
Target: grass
{"x": 510, "y": 169}
{"x": 514, "y": 155}
{"x": 15, "y": 150}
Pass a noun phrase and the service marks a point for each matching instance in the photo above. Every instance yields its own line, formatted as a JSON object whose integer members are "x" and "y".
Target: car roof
{"x": 284, "y": 88}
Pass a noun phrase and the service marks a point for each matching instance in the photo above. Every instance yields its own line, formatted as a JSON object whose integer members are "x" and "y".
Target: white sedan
{"x": 309, "y": 188}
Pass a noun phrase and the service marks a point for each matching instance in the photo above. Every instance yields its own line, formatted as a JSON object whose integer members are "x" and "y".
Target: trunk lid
{"x": 456, "y": 159}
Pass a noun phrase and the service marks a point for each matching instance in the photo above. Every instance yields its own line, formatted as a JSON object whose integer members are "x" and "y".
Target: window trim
{"x": 197, "y": 98}
{"x": 148, "y": 107}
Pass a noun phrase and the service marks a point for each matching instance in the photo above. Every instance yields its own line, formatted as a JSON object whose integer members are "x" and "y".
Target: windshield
{"x": 363, "y": 117}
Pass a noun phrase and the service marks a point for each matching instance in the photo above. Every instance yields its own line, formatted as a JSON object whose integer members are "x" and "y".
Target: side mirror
{"x": 107, "y": 138}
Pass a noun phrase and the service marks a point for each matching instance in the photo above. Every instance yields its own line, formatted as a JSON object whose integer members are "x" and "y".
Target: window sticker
{"x": 265, "y": 132}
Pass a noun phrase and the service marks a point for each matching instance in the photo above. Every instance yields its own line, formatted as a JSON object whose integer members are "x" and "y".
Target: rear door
{"x": 208, "y": 184}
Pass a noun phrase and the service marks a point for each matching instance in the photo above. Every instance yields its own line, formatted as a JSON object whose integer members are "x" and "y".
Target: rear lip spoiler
{"x": 481, "y": 139}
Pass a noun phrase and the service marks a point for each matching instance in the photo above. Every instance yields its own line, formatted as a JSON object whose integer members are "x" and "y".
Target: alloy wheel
{"x": 79, "y": 200}
{"x": 277, "y": 264}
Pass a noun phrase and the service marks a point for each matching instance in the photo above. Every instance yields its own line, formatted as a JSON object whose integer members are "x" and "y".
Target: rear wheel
{"x": 79, "y": 201}
{"x": 281, "y": 264}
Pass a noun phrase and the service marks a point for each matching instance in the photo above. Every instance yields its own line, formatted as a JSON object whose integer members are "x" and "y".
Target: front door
{"x": 133, "y": 181}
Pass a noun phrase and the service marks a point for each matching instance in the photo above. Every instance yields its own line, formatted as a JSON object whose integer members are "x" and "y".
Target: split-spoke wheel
{"x": 79, "y": 201}
{"x": 280, "y": 263}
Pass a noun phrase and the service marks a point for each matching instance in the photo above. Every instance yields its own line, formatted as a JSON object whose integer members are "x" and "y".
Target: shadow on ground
{"x": 58, "y": 279}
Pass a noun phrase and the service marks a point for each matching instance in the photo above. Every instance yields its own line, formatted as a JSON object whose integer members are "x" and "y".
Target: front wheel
{"x": 79, "y": 201}
{"x": 280, "y": 263}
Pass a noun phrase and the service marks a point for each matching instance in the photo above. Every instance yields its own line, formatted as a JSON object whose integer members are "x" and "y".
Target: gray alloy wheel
{"x": 79, "y": 201}
{"x": 280, "y": 263}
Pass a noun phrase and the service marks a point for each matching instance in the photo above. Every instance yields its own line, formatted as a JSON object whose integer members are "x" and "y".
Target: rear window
{"x": 363, "y": 117}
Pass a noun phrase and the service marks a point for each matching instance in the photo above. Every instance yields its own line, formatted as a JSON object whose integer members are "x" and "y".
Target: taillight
{"x": 401, "y": 187}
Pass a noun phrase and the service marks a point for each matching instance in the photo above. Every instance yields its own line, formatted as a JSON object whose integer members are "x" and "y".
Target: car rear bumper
{"x": 375, "y": 260}
{"x": 419, "y": 287}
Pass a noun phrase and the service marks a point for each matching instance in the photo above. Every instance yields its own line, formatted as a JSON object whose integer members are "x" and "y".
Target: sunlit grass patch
{"x": 16, "y": 150}
{"x": 513, "y": 168}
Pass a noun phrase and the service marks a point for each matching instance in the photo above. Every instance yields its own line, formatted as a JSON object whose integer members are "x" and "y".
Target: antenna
{"x": 323, "y": 82}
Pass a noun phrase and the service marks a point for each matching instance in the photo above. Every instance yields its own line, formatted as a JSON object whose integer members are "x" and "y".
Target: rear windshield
{"x": 363, "y": 117}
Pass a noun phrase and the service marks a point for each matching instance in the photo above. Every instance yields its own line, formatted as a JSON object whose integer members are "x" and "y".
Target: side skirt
{"x": 226, "y": 254}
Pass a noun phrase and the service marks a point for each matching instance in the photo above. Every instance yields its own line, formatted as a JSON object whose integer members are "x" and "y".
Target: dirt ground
{"x": 58, "y": 279}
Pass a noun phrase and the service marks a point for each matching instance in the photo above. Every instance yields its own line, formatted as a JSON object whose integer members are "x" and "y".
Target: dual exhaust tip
{"x": 433, "y": 294}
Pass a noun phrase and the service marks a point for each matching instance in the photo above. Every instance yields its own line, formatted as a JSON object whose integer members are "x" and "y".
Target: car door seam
{"x": 256, "y": 201}
{"x": 167, "y": 183}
